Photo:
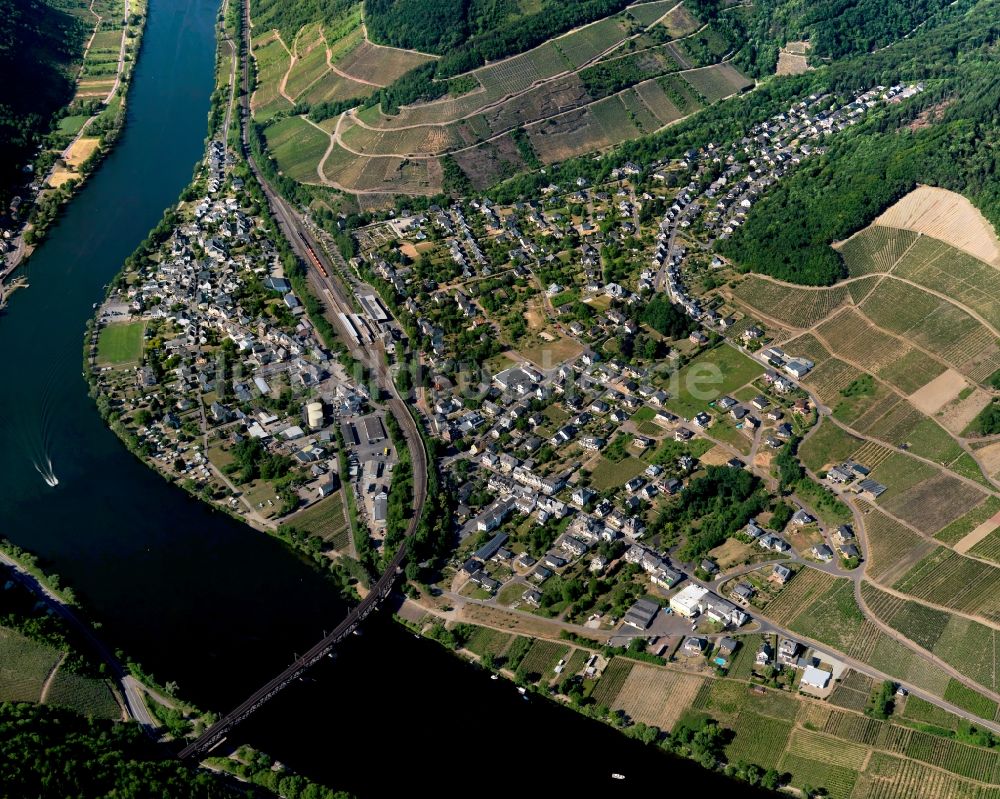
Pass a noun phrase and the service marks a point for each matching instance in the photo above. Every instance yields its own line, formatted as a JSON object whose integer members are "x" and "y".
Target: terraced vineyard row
{"x": 875, "y": 249}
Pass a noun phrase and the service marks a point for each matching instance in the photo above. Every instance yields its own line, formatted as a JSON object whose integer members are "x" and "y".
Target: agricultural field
{"x": 648, "y": 13}
{"x": 790, "y": 305}
{"x": 968, "y": 699}
{"x": 86, "y": 695}
{"x": 759, "y": 739}
{"x": 947, "y": 216}
{"x": 953, "y": 581}
{"x": 541, "y": 660}
{"x": 727, "y": 699}
{"x": 717, "y": 82}
{"x": 827, "y": 446}
{"x": 964, "y": 644}
{"x": 826, "y": 748}
{"x": 853, "y": 338}
{"x": 852, "y": 692}
{"x": 487, "y": 641}
{"x": 327, "y": 519}
{"x": 933, "y": 503}
{"x": 715, "y": 372}
{"x": 583, "y": 45}
{"x": 612, "y": 680}
{"x": 875, "y": 249}
{"x": 892, "y": 547}
{"x": 273, "y": 60}
{"x": 24, "y": 666}
{"x": 657, "y": 696}
{"x": 801, "y": 591}
{"x": 837, "y": 780}
{"x": 297, "y": 146}
{"x": 891, "y": 777}
{"x": 977, "y": 521}
{"x": 959, "y": 276}
{"x": 832, "y": 377}
{"x": 120, "y": 343}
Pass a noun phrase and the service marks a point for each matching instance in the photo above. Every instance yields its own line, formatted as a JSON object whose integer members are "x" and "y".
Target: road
{"x": 135, "y": 705}
{"x": 298, "y": 235}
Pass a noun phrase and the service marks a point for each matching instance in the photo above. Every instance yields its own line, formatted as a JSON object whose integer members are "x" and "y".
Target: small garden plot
{"x": 875, "y": 249}
{"x": 827, "y": 446}
{"x": 86, "y": 695}
{"x": 892, "y": 547}
{"x": 657, "y": 696}
{"x": 612, "y": 680}
{"x": 759, "y": 739}
{"x": 969, "y": 699}
{"x": 933, "y": 503}
{"x": 541, "y": 660}
{"x": 837, "y": 780}
{"x": 911, "y": 372}
{"x": 24, "y": 666}
{"x": 789, "y": 305}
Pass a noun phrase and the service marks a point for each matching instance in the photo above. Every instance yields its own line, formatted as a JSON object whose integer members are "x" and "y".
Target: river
{"x": 201, "y": 599}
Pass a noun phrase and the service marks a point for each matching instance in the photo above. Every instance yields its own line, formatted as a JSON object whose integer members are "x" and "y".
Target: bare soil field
{"x": 377, "y": 64}
{"x": 978, "y": 534}
{"x": 791, "y": 64}
{"x": 81, "y": 150}
{"x": 958, "y": 415}
{"x": 947, "y": 216}
{"x": 657, "y": 696}
{"x": 934, "y": 395}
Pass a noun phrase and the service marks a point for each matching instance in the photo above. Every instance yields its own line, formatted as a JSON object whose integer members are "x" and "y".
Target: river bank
{"x": 93, "y": 127}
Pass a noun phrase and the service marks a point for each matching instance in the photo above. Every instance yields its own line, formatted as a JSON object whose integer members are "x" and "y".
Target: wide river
{"x": 197, "y": 597}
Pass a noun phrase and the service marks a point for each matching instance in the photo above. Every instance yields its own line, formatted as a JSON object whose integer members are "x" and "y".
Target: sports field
{"x": 120, "y": 343}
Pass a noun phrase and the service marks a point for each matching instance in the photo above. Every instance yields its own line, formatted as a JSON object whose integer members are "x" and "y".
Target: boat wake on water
{"x": 47, "y": 474}
{"x": 37, "y": 439}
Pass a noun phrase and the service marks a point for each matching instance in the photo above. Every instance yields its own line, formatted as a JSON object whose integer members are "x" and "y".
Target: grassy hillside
{"x": 43, "y": 42}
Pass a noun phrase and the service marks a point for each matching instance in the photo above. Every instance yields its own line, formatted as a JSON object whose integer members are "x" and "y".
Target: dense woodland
{"x": 56, "y": 753}
{"x": 38, "y": 43}
{"x": 470, "y": 32}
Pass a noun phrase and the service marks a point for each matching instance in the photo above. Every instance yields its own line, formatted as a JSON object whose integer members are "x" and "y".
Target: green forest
{"x": 470, "y": 32}
{"x": 57, "y": 753}
{"x": 42, "y": 42}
